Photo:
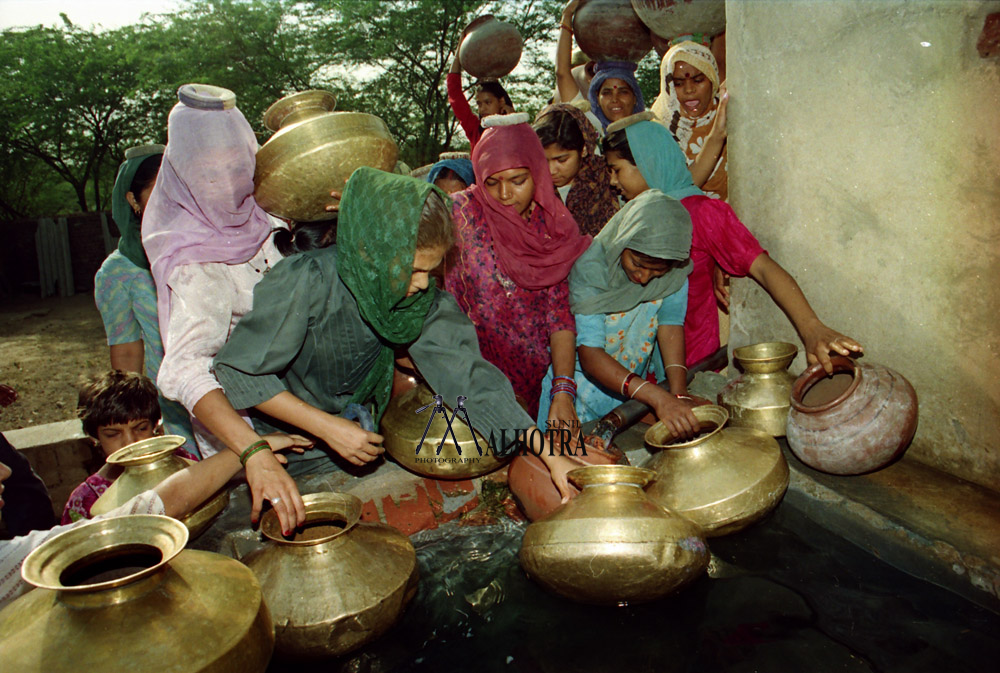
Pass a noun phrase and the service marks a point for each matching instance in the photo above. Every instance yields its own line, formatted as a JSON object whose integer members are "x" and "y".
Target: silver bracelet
{"x": 632, "y": 396}
{"x": 676, "y": 365}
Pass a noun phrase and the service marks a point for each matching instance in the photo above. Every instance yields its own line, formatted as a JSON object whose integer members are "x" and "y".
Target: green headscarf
{"x": 376, "y": 242}
{"x": 129, "y": 224}
{"x": 651, "y": 223}
{"x": 660, "y": 159}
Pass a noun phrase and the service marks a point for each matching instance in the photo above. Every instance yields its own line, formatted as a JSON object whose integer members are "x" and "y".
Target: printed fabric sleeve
{"x": 558, "y": 315}
{"x": 270, "y": 336}
{"x": 200, "y": 318}
{"x": 447, "y": 355}
{"x": 590, "y": 330}
{"x": 112, "y": 296}
{"x": 674, "y": 307}
{"x": 727, "y": 239}
{"x": 460, "y": 106}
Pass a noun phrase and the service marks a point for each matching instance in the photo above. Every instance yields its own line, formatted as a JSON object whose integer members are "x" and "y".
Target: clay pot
{"x": 859, "y": 419}
{"x": 337, "y": 584}
{"x": 145, "y": 464}
{"x": 671, "y": 19}
{"x": 123, "y": 594}
{"x": 402, "y": 427}
{"x": 610, "y": 30}
{"x": 491, "y": 48}
{"x": 761, "y": 397}
{"x": 313, "y": 152}
{"x": 724, "y": 480}
{"x": 611, "y": 544}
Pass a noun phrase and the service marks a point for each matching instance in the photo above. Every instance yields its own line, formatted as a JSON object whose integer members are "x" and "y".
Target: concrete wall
{"x": 864, "y": 152}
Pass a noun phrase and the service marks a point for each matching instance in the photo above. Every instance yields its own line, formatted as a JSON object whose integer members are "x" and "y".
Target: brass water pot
{"x": 337, "y": 584}
{"x": 724, "y": 479}
{"x": 123, "y": 594}
{"x": 146, "y": 463}
{"x": 402, "y": 427}
{"x": 611, "y": 544}
{"x": 313, "y": 151}
{"x": 761, "y": 397}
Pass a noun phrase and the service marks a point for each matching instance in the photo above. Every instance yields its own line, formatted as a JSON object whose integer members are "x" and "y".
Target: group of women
{"x": 576, "y": 272}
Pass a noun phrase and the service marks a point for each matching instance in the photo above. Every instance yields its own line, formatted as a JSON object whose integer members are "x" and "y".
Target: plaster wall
{"x": 864, "y": 152}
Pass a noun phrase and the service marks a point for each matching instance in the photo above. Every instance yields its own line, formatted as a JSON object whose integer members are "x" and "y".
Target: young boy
{"x": 117, "y": 409}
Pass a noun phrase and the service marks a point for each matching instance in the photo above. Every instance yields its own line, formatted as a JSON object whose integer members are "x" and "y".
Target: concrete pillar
{"x": 864, "y": 152}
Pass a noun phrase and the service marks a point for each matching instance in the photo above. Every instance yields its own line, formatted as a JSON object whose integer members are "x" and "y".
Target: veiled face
{"x": 513, "y": 187}
{"x": 616, "y": 98}
{"x": 425, "y": 260}
{"x": 638, "y": 271}
{"x": 693, "y": 88}
{"x": 625, "y": 176}
{"x": 564, "y": 164}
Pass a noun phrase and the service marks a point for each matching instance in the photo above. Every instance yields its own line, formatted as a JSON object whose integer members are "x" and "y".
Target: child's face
{"x": 625, "y": 176}
{"x": 119, "y": 435}
{"x": 564, "y": 164}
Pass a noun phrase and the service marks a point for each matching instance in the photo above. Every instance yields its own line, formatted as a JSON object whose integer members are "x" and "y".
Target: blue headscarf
{"x": 660, "y": 159}
{"x": 462, "y": 167}
{"x": 623, "y": 70}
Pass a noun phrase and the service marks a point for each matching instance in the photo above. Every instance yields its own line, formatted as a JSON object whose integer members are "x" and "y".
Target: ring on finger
{"x": 275, "y": 501}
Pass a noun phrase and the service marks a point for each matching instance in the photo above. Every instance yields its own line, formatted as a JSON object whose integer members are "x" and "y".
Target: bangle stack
{"x": 256, "y": 447}
{"x": 625, "y": 383}
{"x": 563, "y": 384}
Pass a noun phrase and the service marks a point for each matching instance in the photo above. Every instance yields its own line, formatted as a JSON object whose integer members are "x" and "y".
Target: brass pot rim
{"x": 146, "y": 450}
{"x": 815, "y": 373}
{"x": 319, "y": 507}
{"x": 608, "y": 475}
{"x": 45, "y": 565}
{"x": 706, "y": 412}
{"x": 281, "y": 108}
{"x": 747, "y": 353}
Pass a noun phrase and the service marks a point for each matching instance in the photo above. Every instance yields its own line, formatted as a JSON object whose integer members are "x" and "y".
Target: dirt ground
{"x": 48, "y": 347}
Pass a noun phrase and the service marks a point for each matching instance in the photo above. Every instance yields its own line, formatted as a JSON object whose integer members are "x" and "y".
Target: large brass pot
{"x": 122, "y": 594}
{"x": 313, "y": 151}
{"x": 611, "y": 544}
{"x": 762, "y": 396}
{"x": 337, "y": 584}
{"x": 491, "y": 48}
{"x": 724, "y": 479}
{"x": 146, "y": 463}
{"x": 402, "y": 427}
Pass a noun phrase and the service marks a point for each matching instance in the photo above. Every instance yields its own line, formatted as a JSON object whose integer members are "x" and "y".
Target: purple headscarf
{"x": 623, "y": 70}
{"x": 202, "y": 208}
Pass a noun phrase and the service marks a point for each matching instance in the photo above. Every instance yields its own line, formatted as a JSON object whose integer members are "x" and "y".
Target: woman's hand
{"x": 674, "y": 413}
{"x": 562, "y": 413}
{"x": 569, "y": 12}
{"x": 269, "y": 481}
{"x": 357, "y": 446}
{"x": 719, "y": 125}
{"x": 721, "y": 286}
{"x": 279, "y": 441}
{"x": 335, "y": 206}
{"x": 559, "y": 466}
{"x": 820, "y": 340}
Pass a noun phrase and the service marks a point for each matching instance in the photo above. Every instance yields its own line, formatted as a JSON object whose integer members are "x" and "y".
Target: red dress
{"x": 718, "y": 237}
{"x": 513, "y": 324}
{"x": 463, "y": 111}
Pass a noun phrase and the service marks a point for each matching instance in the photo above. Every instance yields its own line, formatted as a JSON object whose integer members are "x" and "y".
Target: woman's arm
{"x": 704, "y": 164}
{"x": 671, "y": 341}
{"x": 458, "y": 102}
{"x": 562, "y": 345}
{"x": 819, "y": 339}
{"x": 565, "y": 82}
{"x": 128, "y": 357}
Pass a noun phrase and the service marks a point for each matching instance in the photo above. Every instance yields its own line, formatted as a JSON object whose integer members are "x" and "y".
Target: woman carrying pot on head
{"x": 209, "y": 243}
{"x": 642, "y": 156}
{"x": 692, "y": 105}
{"x": 326, "y": 325}
{"x": 491, "y": 99}
{"x": 579, "y": 173}
{"x": 124, "y": 290}
{"x": 516, "y": 243}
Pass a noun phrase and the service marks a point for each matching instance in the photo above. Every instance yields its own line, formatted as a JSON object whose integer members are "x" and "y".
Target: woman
{"x": 516, "y": 244}
{"x": 629, "y": 295}
{"x": 124, "y": 290}
{"x": 692, "y": 105}
{"x": 578, "y": 171}
{"x": 326, "y": 324}
{"x": 491, "y": 99}
{"x": 452, "y": 175}
{"x": 643, "y": 156}
{"x": 209, "y": 244}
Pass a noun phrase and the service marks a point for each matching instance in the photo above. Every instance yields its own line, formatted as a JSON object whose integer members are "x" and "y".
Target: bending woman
{"x": 642, "y": 156}
{"x": 326, "y": 323}
{"x": 209, "y": 244}
{"x": 516, "y": 245}
{"x": 692, "y": 105}
{"x": 124, "y": 290}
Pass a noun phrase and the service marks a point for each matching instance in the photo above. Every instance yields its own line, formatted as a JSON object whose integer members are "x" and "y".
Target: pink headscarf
{"x": 532, "y": 259}
{"x": 202, "y": 207}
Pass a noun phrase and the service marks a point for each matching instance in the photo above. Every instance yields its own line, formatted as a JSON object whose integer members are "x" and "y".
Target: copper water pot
{"x": 313, "y": 151}
{"x": 146, "y": 463}
{"x": 672, "y": 19}
{"x": 491, "y": 48}
{"x": 402, "y": 427}
{"x": 337, "y": 584}
{"x": 761, "y": 397}
{"x": 859, "y": 419}
{"x": 610, "y": 30}
{"x": 611, "y": 544}
{"x": 724, "y": 479}
{"x": 123, "y": 594}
